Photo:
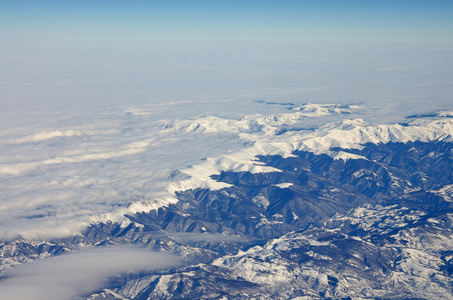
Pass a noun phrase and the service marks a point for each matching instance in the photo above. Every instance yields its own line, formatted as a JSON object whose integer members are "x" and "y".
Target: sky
{"x": 296, "y": 20}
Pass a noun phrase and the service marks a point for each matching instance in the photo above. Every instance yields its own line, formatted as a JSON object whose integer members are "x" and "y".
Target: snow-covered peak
{"x": 263, "y": 136}
{"x": 257, "y": 124}
{"x": 212, "y": 124}
{"x": 446, "y": 114}
{"x": 325, "y": 109}
{"x": 146, "y": 206}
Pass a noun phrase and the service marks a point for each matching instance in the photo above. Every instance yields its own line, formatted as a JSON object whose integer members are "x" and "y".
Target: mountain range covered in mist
{"x": 344, "y": 210}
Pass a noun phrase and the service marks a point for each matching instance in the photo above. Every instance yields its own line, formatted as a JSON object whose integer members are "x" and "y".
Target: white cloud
{"x": 42, "y": 136}
{"x": 129, "y": 149}
{"x": 75, "y": 274}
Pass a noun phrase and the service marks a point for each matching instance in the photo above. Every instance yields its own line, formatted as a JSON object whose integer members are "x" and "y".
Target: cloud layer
{"x": 75, "y": 274}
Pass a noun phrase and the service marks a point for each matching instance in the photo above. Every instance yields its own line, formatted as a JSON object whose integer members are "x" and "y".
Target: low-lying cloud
{"x": 47, "y": 135}
{"x": 60, "y": 184}
{"x": 76, "y": 274}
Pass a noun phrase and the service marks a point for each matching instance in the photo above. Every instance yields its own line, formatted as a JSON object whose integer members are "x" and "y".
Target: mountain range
{"x": 346, "y": 210}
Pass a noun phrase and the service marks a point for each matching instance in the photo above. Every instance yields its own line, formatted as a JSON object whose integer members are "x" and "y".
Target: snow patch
{"x": 260, "y": 200}
{"x": 446, "y": 192}
{"x": 283, "y": 185}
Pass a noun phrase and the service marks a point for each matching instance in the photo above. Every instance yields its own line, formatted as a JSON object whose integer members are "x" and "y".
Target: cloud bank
{"x": 76, "y": 274}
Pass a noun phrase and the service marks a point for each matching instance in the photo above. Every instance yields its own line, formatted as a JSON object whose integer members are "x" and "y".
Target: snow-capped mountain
{"x": 344, "y": 210}
{"x": 280, "y": 135}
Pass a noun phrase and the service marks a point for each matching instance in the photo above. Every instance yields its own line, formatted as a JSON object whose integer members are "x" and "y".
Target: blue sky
{"x": 323, "y": 20}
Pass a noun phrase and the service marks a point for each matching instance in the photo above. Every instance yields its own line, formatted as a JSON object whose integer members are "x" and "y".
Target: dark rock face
{"x": 376, "y": 227}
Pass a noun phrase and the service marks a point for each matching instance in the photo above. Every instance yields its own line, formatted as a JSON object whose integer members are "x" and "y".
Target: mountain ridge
{"x": 358, "y": 211}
